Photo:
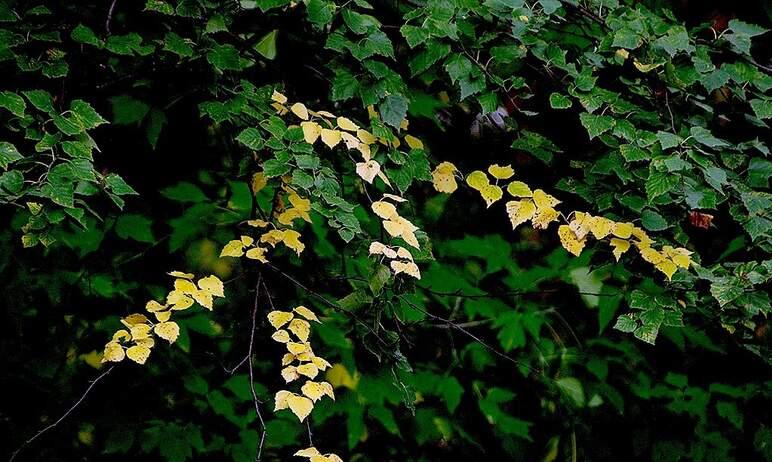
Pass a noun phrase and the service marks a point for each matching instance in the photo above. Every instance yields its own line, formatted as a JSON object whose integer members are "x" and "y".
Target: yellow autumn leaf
{"x": 339, "y": 376}
{"x": 311, "y": 131}
{"x": 310, "y": 452}
{"x": 300, "y": 406}
{"x": 580, "y": 224}
{"x": 543, "y": 217}
{"x": 321, "y": 363}
{"x": 477, "y": 179}
{"x": 622, "y": 230}
{"x": 309, "y": 370}
{"x": 394, "y": 197}
{"x": 292, "y": 240}
{"x": 257, "y": 223}
{"x": 287, "y": 358}
{"x": 280, "y": 108}
{"x": 444, "y": 179}
{"x": 259, "y": 181}
{"x": 544, "y": 200}
{"x": 365, "y": 136}
{"x": 281, "y": 336}
{"x": 138, "y": 353}
{"x": 345, "y": 123}
{"x": 306, "y": 313}
{"x": 257, "y": 253}
{"x": 163, "y": 316}
{"x": 140, "y": 331}
{"x": 153, "y": 306}
{"x": 203, "y": 298}
{"x": 401, "y": 227}
{"x": 315, "y": 390}
{"x": 352, "y": 142}
{"x": 280, "y": 400}
{"x": 601, "y": 227}
{"x": 643, "y": 239}
{"x": 384, "y": 210}
{"x": 178, "y": 300}
{"x": 679, "y": 256}
{"x": 289, "y": 374}
{"x": 519, "y": 189}
{"x": 113, "y": 352}
{"x": 247, "y": 240}
{"x": 501, "y": 172}
{"x": 407, "y": 267}
{"x": 278, "y": 97}
{"x": 570, "y": 241}
{"x": 330, "y": 137}
{"x": 121, "y": 335}
{"x": 620, "y": 246}
{"x": 213, "y": 285}
{"x": 299, "y": 109}
{"x": 520, "y": 211}
{"x": 667, "y": 267}
{"x": 301, "y": 328}
{"x": 297, "y": 348}
{"x": 168, "y": 331}
{"x": 491, "y": 193}
{"x": 135, "y": 318}
{"x": 413, "y": 142}
{"x": 279, "y": 318}
{"x": 651, "y": 255}
{"x": 180, "y": 274}
{"x": 368, "y": 170}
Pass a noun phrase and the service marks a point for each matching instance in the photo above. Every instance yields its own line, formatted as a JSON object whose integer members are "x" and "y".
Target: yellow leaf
{"x": 407, "y": 267}
{"x": 300, "y": 405}
{"x": 280, "y": 109}
{"x": 297, "y": 348}
{"x": 257, "y": 223}
{"x": 519, "y": 189}
{"x": 306, "y": 313}
{"x": 352, "y": 142}
{"x": 651, "y": 255}
{"x": 259, "y": 181}
{"x": 153, "y": 306}
{"x": 292, "y": 240}
{"x": 287, "y": 358}
{"x": 310, "y": 452}
{"x": 204, "y": 298}
{"x": 185, "y": 286}
{"x": 168, "y": 331}
{"x": 257, "y": 253}
{"x": 140, "y": 331}
{"x": 280, "y": 400}
{"x": 309, "y": 370}
{"x": 281, "y": 336}
{"x": 443, "y": 178}
{"x": 135, "y": 318}
{"x": 364, "y": 149}
{"x": 620, "y": 246}
{"x": 300, "y": 203}
{"x": 339, "y": 376}
{"x": 501, "y": 173}
{"x": 643, "y": 239}
{"x": 394, "y": 197}
{"x": 213, "y": 285}
{"x": 413, "y": 142}
{"x": 368, "y": 170}
{"x": 622, "y": 53}
{"x": 346, "y": 124}
{"x": 645, "y": 67}
{"x": 301, "y": 328}
{"x": 311, "y": 131}
{"x": 477, "y": 180}
{"x": 520, "y": 211}
{"x": 680, "y": 256}
{"x": 326, "y": 114}
{"x": 279, "y": 318}
{"x": 543, "y": 217}
{"x": 491, "y": 193}
{"x": 299, "y": 109}
{"x": 365, "y": 136}
{"x": 247, "y": 240}
{"x": 138, "y": 353}
{"x": 384, "y": 210}
{"x": 180, "y": 274}
{"x": 289, "y": 374}
{"x": 332, "y": 458}
{"x": 234, "y": 248}
{"x": 162, "y": 316}
{"x": 146, "y": 342}
{"x": 622, "y": 230}
{"x": 278, "y": 97}
{"x": 330, "y": 137}
{"x": 315, "y": 390}
{"x": 178, "y": 300}
{"x": 580, "y": 225}
{"x": 121, "y": 335}
{"x": 569, "y": 240}
{"x": 601, "y": 227}
{"x": 544, "y": 200}
{"x": 667, "y": 267}
{"x": 320, "y": 363}
{"x": 113, "y": 352}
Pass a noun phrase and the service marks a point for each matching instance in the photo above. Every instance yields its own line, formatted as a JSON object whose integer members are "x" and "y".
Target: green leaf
{"x": 559, "y": 101}
{"x": 251, "y": 138}
{"x": 573, "y": 389}
{"x": 267, "y": 45}
{"x": 84, "y": 34}
{"x": 136, "y": 227}
{"x": 596, "y": 125}
{"x": 182, "y": 47}
{"x": 184, "y": 192}
{"x": 225, "y": 58}
{"x": 762, "y": 108}
{"x": 393, "y": 109}
{"x": 127, "y": 110}
{"x": 653, "y": 221}
{"x": 8, "y": 154}
{"x": 13, "y": 102}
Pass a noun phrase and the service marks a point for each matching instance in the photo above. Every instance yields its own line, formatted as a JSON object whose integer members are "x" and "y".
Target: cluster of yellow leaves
{"x": 313, "y": 455}
{"x": 136, "y": 341}
{"x": 393, "y": 223}
{"x": 401, "y": 259}
{"x": 293, "y": 329}
{"x": 333, "y": 130}
{"x": 538, "y": 207}
{"x": 256, "y": 249}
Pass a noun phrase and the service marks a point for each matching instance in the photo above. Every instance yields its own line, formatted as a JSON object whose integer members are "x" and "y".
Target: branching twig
{"x": 251, "y": 368}
{"x": 64, "y": 416}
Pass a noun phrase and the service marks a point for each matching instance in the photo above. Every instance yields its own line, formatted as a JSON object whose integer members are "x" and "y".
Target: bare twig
{"x": 251, "y": 368}
{"x": 64, "y": 416}
{"x": 110, "y": 16}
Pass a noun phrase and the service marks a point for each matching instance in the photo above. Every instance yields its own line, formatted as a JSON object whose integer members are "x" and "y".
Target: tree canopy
{"x": 385, "y": 230}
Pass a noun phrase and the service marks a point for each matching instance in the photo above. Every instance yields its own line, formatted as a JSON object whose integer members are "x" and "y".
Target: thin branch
{"x": 64, "y": 416}
{"x": 256, "y": 401}
{"x": 110, "y": 16}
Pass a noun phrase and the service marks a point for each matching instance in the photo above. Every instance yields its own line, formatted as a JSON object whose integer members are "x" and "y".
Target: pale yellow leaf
{"x": 178, "y": 300}
{"x": 247, "y": 240}
{"x": 569, "y": 240}
{"x": 306, "y": 313}
{"x": 300, "y": 406}
{"x": 121, "y": 335}
{"x": 299, "y": 109}
{"x": 413, "y": 142}
{"x": 501, "y": 172}
{"x": 138, "y": 353}
{"x": 289, "y": 374}
{"x": 309, "y": 370}
{"x": 279, "y": 318}
{"x": 365, "y": 136}
{"x": 520, "y": 211}
{"x": 407, "y": 267}
{"x": 140, "y": 331}
{"x": 213, "y": 285}
{"x": 320, "y": 363}
{"x": 345, "y": 123}
{"x": 580, "y": 224}
{"x": 163, "y": 316}
{"x": 168, "y": 331}
{"x": 278, "y": 97}
{"x": 394, "y": 197}
{"x": 384, "y": 210}
{"x": 301, "y": 328}
{"x": 292, "y": 240}
{"x": 203, "y": 298}
{"x": 280, "y": 400}
{"x": 491, "y": 193}
{"x": 620, "y": 246}
{"x": 311, "y": 131}
{"x": 185, "y": 286}
{"x": 543, "y": 217}
{"x": 368, "y": 170}
{"x": 622, "y": 230}
{"x": 153, "y": 306}
{"x": 544, "y": 200}
{"x": 601, "y": 227}
{"x": 297, "y": 348}
{"x": 352, "y": 142}
{"x": 113, "y": 352}
{"x": 519, "y": 189}
{"x": 651, "y": 255}
{"x": 404, "y": 253}
{"x": 281, "y": 336}
{"x": 257, "y": 253}
{"x": 443, "y": 178}
{"x": 330, "y": 137}
{"x": 477, "y": 179}
{"x": 310, "y": 452}
{"x": 257, "y": 223}
{"x": 180, "y": 274}
{"x": 234, "y": 248}
{"x": 667, "y": 267}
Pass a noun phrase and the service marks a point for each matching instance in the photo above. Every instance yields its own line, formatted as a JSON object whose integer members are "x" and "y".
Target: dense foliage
{"x": 524, "y": 230}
